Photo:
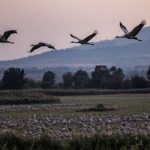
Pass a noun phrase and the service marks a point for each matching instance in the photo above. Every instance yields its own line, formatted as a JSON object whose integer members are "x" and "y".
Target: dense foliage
{"x": 19, "y": 97}
{"x": 68, "y": 80}
{"x": 97, "y": 142}
{"x": 48, "y": 80}
{"x": 101, "y": 78}
{"x": 14, "y": 78}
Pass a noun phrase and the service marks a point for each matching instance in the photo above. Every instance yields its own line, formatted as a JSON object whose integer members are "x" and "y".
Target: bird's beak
{"x": 53, "y": 48}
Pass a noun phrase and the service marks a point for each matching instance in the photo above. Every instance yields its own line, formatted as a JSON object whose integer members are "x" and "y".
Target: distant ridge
{"x": 119, "y": 52}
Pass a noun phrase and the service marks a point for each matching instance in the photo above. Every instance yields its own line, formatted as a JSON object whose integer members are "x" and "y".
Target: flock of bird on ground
{"x": 128, "y": 35}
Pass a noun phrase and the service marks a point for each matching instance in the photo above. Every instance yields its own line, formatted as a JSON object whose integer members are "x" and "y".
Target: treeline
{"x": 101, "y": 78}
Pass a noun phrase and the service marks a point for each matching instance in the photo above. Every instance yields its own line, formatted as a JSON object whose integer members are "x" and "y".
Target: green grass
{"x": 128, "y": 103}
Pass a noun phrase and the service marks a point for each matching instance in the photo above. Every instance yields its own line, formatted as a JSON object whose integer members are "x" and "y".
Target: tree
{"x": 81, "y": 79}
{"x": 68, "y": 80}
{"x": 0, "y": 84}
{"x": 14, "y": 78}
{"x": 100, "y": 77}
{"x": 116, "y": 77}
{"x": 48, "y": 80}
{"x": 139, "y": 82}
{"x": 148, "y": 74}
{"x": 31, "y": 83}
{"x": 126, "y": 84}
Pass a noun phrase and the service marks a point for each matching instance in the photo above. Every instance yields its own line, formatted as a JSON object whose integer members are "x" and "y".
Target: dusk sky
{"x": 52, "y": 21}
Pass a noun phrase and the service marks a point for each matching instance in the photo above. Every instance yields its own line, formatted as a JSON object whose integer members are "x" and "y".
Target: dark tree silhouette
{"x": 14, "y": 78}
{"x": 139, "y": 82}
{"x": 32, "y": 84}
{"x": 116, "y": 77}
{"x": 81, "y": 79}
{"x": 100, "y": 77}
{"x": 68, "y": 80}
{"x": 126, "y": 84}
{"x": 48, "y": 80}
{"x": 148, "y": 74}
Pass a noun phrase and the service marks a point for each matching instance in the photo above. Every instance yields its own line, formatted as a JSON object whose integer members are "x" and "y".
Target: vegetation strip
{"x": 18, "y": 97}
{"x": 97, "y": 142}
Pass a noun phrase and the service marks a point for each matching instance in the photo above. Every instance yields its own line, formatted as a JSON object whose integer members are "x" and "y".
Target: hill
{"x": 119, "y": 52}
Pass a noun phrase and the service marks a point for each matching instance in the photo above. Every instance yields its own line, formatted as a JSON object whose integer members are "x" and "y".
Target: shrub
{"x": 26, "y": 97}
{"x": 96, "y": 142}
{"x": 14, "y": 78}
{"x": 99, "y": 107}
{"x": 48, "y": 80}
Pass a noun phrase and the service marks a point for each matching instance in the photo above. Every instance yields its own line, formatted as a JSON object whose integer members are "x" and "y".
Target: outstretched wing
{"x": 137, "y": 29}
{"x": 8, "y": 33}
{"x": 75, "y": 37}
{"x": 50, "y": 46}
{"x": 124, "y": 28}
{"x": 90, "y": 36}
{"x": 34, "y": 47}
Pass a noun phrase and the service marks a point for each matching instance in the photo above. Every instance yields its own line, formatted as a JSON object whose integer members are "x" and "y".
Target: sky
{"x": 52, "y": 21}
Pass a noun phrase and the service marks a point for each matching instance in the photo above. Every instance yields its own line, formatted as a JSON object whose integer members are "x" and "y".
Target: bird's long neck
{"x": 10, "y": 42}
{"x": 89, "y": 43}
{"x": 120, "y": 36}
{"x": 135, "y": 38}
{"x": 5, "y": 41}
{"x": 74, "y": 42}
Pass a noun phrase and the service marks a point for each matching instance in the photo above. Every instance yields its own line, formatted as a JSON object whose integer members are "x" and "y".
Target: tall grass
{"x": 74, "y": 92}
{"x": 70, "y": 92}
{"x": 97, "y": 142}
{"x": 17, "y": 97}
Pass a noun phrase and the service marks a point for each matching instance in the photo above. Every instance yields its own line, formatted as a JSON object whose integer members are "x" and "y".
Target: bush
{"x": 94, "y": 92}
{"x": 18, "y": 97}
{"x": 48, "y": 80}
{"x": 99, "y": 107}
{"x": 97, "y": 142}
{"x": 46, "y": 143}
{"x": 14, "y": 78}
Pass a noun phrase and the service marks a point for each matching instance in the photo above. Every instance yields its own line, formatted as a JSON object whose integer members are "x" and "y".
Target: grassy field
{"x": 124, "y": 104}
{"x": 62, "y": 118}
{"x": 127, "y": 103}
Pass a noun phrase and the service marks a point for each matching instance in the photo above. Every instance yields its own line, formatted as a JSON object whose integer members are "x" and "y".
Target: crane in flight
{"x": 6, "y": 35}
{"x": 41, "y": 44}
{"x": 85, "y": 40}
{"x": 133, "y": 33}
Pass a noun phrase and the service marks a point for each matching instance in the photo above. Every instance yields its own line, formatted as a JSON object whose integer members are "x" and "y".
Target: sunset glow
{"x": 53, "y": 20}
